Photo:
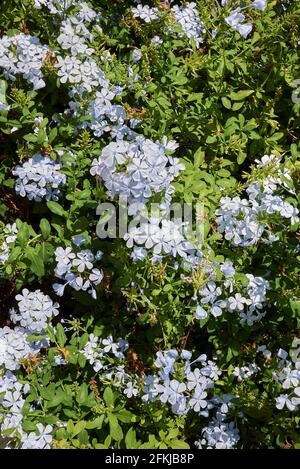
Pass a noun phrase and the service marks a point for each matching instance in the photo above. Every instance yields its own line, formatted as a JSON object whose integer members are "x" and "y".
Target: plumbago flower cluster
{"x": 9, "y": 234}
{"x": 23, "y": 55}
{"x": 249, "y": 306}
{"x": 187, "y": 17}
{"x": 192, "y": 391}
{"x": 178, "y": 332}
{"x": 244, "y": 222}
{"x": 17, "y": 345}
{"x": 39, "y": 178}
{"x": 137, "y": 169}
{"x": 236, "y": 18}
{"x": 77, "y": 269}
{"x": 288, "y": 376}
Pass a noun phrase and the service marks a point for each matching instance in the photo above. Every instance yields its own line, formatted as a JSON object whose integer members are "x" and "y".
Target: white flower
{"x": 64, "y": 256}
{"x": 210, "y": 292}
{"x": 284, "y": 400}
{"x": 36, "y": 310}
{"x": 187, "y": 17}
{"x": 197, "y": 401}
{"x": 145, "y": 13}
{"x": 196, "y": 380}
{"x": 237, "y": 302}
{"x": 23, "y": 55}
{"x": 130, "y": 390}
{"x": 39, "y": 177}
{"x": 96, "y": 276}
{"x": 42, "y": 440}
{"x": 200, "y": 313}
{"x": 260, "y": 4}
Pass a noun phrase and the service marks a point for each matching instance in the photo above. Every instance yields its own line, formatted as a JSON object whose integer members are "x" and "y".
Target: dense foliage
{"x": 154, "y": 336}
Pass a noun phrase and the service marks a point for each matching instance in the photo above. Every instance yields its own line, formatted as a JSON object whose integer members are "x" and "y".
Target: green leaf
{"x": 70, "y": 427}
{"x": 56, "y": 208}
{"x": 211, "y": 139}
{"x": 83, "y": 437}
{"x": 52, "y": 135}
{"x": 226, "y": 102}
{"x": 30, "y": 138}
{"x": 81, "y": 360}
{"x": 130, "y": 439}
{"x": 60, "y": 334}
{"x": 78, "y": 427}
{"x": 97, "y": 423}
{"x": 28, "y": 426}
{"x": 124, "y": 416}
{"x": 45, "y": 228}
{"x": 57, "y": 399}
{"x": 115, "y": 430}
{"x": 240, "y": 95}
{"x": 199, "y": 157}
{"x": 61, "y": 434}
{"x": 83, "y": 340}
{"x": 179, "y": 444}
{"x": 276, "y": 136}
{"x": 108, "y": 396}
{"x": 23, "y": 234}
{"x": 241, "y": 157}
{"x": 37, "y": 263}
{"x": 82, "y": 395}
{"x": 237, "y": 106}
{"x": 14, "y": 254}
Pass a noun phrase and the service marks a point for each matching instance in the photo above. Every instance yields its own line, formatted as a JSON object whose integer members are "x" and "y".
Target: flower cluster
{"x": 78, "y": 68}
{"x": 14, "y": 347}
{"x": 23, "y": 55}
{"x": 77, "y": 270}
{"x": 221, "y": 298}
{"x": 163, "y": 237}
{"x": 70, "y": 41}
{"x": 83, "y": 12}
{"x": 288, "y": 375}
{"x": 12, "y": 394}
{"x": 145, "y": 13}
{"x": 218, "y": 435}
{"x": 38, "y": 440}
{"x": 71, "y": 69}
{"x": 77, "y": 64}
{"x": 35, "y": 310}
{"x": 39, "y": 178}
{"x": 12, "y": 400}
{"x": 98, "y": 352}
{"x": 55, "y": 6}
{"x": 236, "y": 18}
{"x": 188, "y": 17}
{"x": 188, "y": 392}
{"x": 115, "y": 92}
{"x": 104, "y": 116}
{"x": 241, "y": 219}
{"x": 137, "y": 169}
{"x": 245, "y": 372}
{"x": 10, "y": 235}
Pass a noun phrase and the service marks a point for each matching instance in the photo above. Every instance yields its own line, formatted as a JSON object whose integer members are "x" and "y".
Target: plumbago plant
{"x": 149, "y": 338}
